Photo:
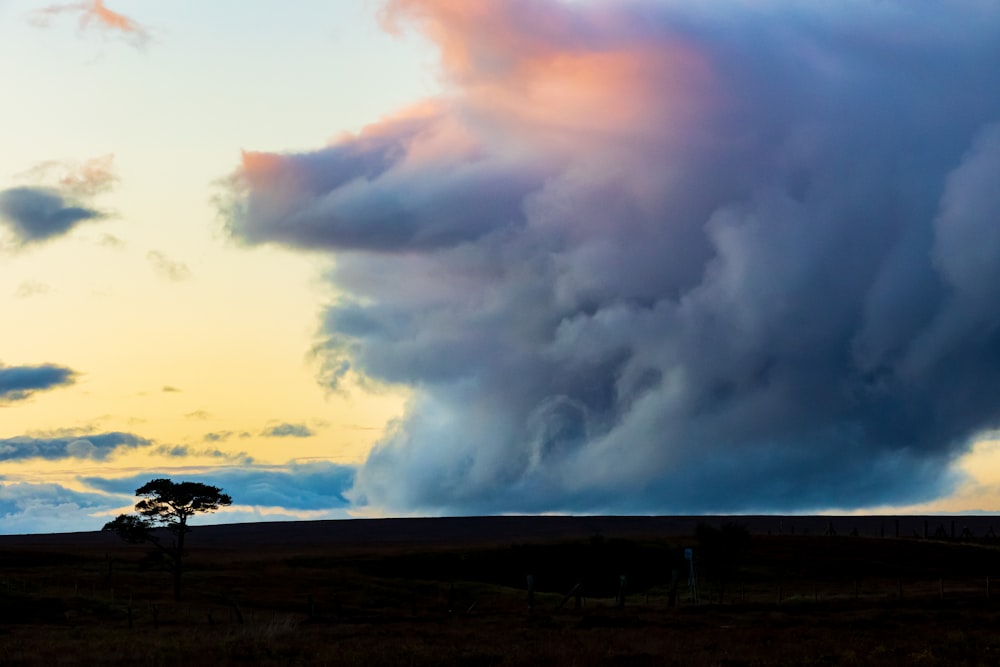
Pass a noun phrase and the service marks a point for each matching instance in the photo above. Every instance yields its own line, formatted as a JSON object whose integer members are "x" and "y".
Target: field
{"x": 800, "y": 591}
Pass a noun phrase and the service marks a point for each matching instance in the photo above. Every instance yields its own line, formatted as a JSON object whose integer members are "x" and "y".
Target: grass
{"x": 454, "y": 603}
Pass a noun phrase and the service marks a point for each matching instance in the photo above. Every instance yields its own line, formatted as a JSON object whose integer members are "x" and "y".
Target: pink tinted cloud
{"x": 94, "y": 14}
{"x": 531, "y": 88}
{"x": 549, "y": 73}
{"x": 78, "y": 179}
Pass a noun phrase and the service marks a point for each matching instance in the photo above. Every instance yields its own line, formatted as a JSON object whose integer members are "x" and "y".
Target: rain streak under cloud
{"x": 665, "y": 257}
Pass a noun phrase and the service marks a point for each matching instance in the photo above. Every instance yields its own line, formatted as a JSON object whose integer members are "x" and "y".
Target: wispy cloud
{"x": 94, "y": 14}
{"x": 185, "y": 451}
{"x": 168, "y": 268}
{"x": 18, "y": 383}
{"x": 222, "y": 436}
{"x": 288, "y": 431}
{"x": 111, "y": 241}
{"x": 30, "y": 288}
{"x": 77, "y": 179}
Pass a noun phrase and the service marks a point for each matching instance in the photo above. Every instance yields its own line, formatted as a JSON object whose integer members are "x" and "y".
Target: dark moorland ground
{"x": 801, "y": 591}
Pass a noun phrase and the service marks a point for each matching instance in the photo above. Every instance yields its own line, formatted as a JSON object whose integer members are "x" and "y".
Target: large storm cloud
{"x": 666, "y": 256}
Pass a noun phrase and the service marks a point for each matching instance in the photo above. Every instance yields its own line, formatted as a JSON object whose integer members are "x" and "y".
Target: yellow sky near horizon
{"x": 175, "y": 331}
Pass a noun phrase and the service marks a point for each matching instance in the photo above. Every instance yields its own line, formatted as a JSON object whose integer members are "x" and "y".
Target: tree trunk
{"x": 179, "y": 558}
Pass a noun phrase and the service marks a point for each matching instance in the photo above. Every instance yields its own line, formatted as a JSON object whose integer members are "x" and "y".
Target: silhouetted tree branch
{"x": 167, "y": 505}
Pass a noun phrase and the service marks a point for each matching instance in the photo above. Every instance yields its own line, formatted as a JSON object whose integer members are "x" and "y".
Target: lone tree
{"x": 164, "y": 511}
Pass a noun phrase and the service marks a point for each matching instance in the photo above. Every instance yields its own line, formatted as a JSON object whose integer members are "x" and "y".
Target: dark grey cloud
{"x": 96, "y": 446}
{"x": 307, "y": 486}
{"x": 54, "y": 202}
{"x": 37, "y": 214}
{"x": 667, "y": 257}
{"x": 20, "y": 382}
{"x": 288, "y": 431}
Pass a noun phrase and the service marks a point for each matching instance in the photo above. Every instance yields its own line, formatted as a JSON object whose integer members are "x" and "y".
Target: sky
{"x": 436, "y": 257}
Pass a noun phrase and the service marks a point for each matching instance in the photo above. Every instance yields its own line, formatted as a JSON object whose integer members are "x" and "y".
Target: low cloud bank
{"x": 95, "y": 447}
{"x": 307, "y": 486}
{"x": 52, "y": 508}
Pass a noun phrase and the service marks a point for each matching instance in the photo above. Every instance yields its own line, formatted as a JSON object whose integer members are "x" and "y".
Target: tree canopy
{"x": 166, "y": 504}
